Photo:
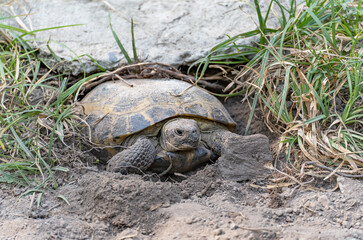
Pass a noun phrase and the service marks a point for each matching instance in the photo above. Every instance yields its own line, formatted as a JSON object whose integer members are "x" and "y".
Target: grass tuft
{"x": 121, "y": 46}
{"x": 306, "y": 78}
{"x": 36, "y": 113}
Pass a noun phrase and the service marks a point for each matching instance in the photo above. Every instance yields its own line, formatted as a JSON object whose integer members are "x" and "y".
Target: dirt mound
{"x": 121, "y": 201}
{"x": 199, "y": 205}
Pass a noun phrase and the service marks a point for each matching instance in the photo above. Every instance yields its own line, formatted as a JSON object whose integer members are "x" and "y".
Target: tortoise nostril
{"x": 195, "y": 135}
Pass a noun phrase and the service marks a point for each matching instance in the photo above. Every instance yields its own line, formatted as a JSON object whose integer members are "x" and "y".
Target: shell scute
{"x": 118, "y": 110}
{"x": 139, "y": 122}
{"x": 196, "y": 109}
{"x": 158, "y": 113}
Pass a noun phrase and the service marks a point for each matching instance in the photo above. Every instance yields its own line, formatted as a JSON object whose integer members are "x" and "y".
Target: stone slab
{"x": 173, "y": 31}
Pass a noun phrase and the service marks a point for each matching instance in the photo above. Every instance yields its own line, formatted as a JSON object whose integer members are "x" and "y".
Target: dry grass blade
{"x": 310, "y": 89}
{"x": 148, "y": 70}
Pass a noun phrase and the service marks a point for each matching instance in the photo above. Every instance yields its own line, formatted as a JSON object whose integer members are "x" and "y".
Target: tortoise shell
{"x": 115, "y": 110}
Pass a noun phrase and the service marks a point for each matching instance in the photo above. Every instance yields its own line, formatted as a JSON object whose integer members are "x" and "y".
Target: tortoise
{"x": 164, "y": 125}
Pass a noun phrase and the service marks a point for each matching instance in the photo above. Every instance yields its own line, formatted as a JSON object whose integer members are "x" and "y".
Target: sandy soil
{"x": 202, "y": 206}
{"x": 198, "y": 205}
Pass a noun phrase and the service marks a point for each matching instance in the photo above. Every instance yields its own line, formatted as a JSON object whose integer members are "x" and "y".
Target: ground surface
{"x": 202, "y": 206}
{"x": 198, "y": 205}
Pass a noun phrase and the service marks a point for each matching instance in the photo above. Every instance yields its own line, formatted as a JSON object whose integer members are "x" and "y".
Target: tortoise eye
{"x": 179, "y": 132}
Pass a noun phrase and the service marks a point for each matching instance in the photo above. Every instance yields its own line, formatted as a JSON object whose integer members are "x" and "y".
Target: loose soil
{"x": 198, "y": 205}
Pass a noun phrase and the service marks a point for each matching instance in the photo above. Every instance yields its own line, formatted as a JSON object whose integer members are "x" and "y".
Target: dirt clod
{"x": 244, "y": 157}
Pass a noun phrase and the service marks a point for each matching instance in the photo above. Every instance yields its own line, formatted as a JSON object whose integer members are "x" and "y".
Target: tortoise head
{"x": 180, "y": 134}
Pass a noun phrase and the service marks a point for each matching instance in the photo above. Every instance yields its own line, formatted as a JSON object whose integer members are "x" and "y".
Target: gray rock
{"x": 239, "y": 164}
{"x": 352, "y": 187}
{"x": 173, "y": 32}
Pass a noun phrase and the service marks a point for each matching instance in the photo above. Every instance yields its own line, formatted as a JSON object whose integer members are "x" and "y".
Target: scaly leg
{"x": 216, "y": 139}
{"x": 136, "y": 158}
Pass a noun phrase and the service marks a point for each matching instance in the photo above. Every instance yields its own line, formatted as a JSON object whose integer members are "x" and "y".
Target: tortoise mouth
{"x": 183, "y": 146}
{"x": 189, "y": 145}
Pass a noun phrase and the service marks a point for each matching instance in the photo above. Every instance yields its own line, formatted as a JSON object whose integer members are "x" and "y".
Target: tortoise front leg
{"x": 216, "y": 139}
{"x": 138, "y": 157}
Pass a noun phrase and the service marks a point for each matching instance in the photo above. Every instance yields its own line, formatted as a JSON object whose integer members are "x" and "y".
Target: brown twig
{"x": 317, "y": 164}
{"x": 150, "y": 70}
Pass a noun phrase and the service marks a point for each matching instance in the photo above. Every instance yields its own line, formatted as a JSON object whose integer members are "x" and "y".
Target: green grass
{"x": 29, "y": 128}
{"x": 306, "y": 79}
{"x": 121, "y": 46}
{"x": 37, "y": 109}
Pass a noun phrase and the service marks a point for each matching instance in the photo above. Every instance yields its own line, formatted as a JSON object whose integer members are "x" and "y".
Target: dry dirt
{"x": 197, "y": 205}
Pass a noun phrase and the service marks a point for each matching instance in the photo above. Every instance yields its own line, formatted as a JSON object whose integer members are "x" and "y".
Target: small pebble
{"x": 190, "y": 220}
{"x": 218, "y": 232}
{"x": 312, "y": 204}
{"x": 184, "y": 194}
{"x": 166, "y": 204}
{"x": 347, "y": 224}
{"x": 233, "y": 226}
{"x": 296, "y": 210}
{"x": 324, "y": 201}
{"x": 279, "y": 213}
{"x": 289, "y": 210}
